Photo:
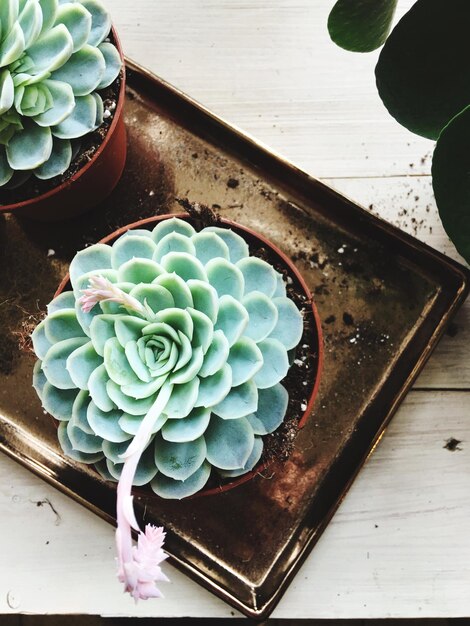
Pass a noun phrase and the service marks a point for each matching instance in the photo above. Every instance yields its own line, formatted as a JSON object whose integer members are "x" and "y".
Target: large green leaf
{"x": 451, "y": 180}
{"x": 361, "y": 25}
{"x": 422, "y": 73}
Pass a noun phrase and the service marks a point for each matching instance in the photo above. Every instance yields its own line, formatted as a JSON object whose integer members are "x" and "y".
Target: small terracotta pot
{"x": 317, "y": 338}
{"x": 93, "y": 182}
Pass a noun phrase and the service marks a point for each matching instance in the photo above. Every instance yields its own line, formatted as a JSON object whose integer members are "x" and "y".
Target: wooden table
{"x": 399, "y": 546}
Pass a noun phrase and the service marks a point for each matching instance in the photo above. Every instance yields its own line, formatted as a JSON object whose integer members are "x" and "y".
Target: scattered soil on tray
{"x": 452, "y": 444}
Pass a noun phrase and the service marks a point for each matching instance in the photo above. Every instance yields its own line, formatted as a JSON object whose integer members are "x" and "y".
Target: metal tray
{"x": 384, "y": 299}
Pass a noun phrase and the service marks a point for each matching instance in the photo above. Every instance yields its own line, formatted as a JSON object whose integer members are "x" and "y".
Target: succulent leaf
{"x": 53, "y": 59}
{"x": 160, "y": 351}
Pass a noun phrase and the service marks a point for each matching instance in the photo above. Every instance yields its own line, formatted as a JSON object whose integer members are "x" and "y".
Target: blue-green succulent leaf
{"x": 239, "y": 402}
{"x": 203, "y": 330}
{"x": 258, "y": 276}
{"x": 232, "y": 319}
{"x": 185, "y": 265}
{"x": 275, "y": 363}
{"x": 262, "y": 313}
{"x": 179, "y": 460}
{"x": 238, "y": 248}
{"x": 58, "y": 162}
{"x": 172, "y": 225}
{"x": 92, "y": 259}
{"x": 157, "y": 297}
{"x": 77, "y": 20}
{"x": 6, "y": 173}
{"x": 41, "y": 343}
{"x": 245, "y": 359}
{"x": 139, "y": 271}
{"x": 272, "y": 407}
{"x": 174, "y": 242}
{"x": 128, "y": 328}
{"x": 30, "y": 21}
{"x": 106, "y": 424}
{"x": 7, "y": 91}
{"x": 101, "y": 329}
{"x": 61, "y": 325}
{"x": 229, "y": 443}
{"x": 51, "y": 50}
{"x": 213, "y": 389}
{"x": 280, "y": 286}
{"x": 249, "y": 465}
{"x": 65, "y": 300}
{"x": 98, "y": 391}
{"x": 113, "y": 64}
{"x": 29, "y": 148}
{"x": 80, "y": 122}
{"x": 82, "y": 363}
{"x": 183, "y": 399}
{"x": 178, "y": 288}
{"x": 101, "y": 21}
{"x": 209, "y": 246}
{"x": 126, "y": 403}
{"x": 204, "y": 298}
{"x": 39, "y": 378}
{"x": 79, "y": 412}
{"x": 67, "y": 447}
{"x": 216, "y": 355}
{"x": 49, "y": 11}
{"x": 226, "y": 278}
{"x": 54, "y": 363}
{"x": 289, "y": 327}
{"x": 62, "y": 107}
{"x": 58, "y": 402}
{"x": 116, "y": 363}
{"x": 171, "y": 489}
{"x": 130, "y": 423}
{"x": 188, "y": 429}
{"x": 82, "y": 441}
{"x": 130, "y": 246}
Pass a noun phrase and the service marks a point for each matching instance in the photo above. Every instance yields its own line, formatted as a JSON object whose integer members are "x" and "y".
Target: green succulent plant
{"x": 54, "y": 57}
{"x": 185, "y": 320}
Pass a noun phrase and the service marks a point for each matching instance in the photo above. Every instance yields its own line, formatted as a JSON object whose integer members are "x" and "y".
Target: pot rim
{"x": 285, "y": 259}
{"x": 119, "y": 108}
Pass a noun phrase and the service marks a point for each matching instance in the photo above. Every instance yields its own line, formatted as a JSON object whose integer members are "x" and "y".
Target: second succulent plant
{"x": 54, "y": 59}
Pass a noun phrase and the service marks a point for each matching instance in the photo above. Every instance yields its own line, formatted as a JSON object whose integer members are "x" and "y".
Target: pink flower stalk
{"x": 102, "y": 290}
{"x": 139, "y": 566}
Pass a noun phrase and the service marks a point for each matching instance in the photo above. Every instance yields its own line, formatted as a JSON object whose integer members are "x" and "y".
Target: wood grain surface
{"x": 399, "y": 544}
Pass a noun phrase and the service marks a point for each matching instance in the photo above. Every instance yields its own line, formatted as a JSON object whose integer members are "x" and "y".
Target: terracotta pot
{"x": 93, "y": 182}
{"x": 317, "y": 339}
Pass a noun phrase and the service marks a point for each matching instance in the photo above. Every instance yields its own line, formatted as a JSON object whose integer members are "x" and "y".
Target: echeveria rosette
{"x": 165, "y": 362}
{"x": 54, "y": 58}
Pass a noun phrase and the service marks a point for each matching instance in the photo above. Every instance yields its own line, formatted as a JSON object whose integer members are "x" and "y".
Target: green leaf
{"x": 58, "y": 162}
{"x": 361, "y": 25}
{"x": 250, "y": 464}
{"x": 29, "y": 148}
{"x": 30, "y": 21}
{"x": 184, "y": 265}
{"x": 61, "y": 325}
{"x": 226, "y": 278}
{"x": 58, "y": 402}
{"x": 106, "y": 424}
{"x": 82, "y": 363}
{"x": 90, "y": 259}
{"x": 98, "y": 391}
{"x": 6, "y": 173}
{"x": 67, "y": 447}
{"x": 116, "y": 363}
{"x": 272, "y": 407}
{"x": 49, "y": 10}
{"x": 82, "y": 441}
{"x": 130, "y": 423}
{"x": 262, "y": 313}
{"x": 63, "y": 103}
{"x": 258, "y": 276}
{"x": 217, "y": 354}
{"x": 178, "y": 289}
{"x": 232, "y": 318}
{"x": 113, "y": 64}
{"x": 209, "y": 246}
{"x": 83, "y": 71}
{"x": 41, "y": 343}
{"x": 275, "y": 363}
{"x": 77, "y": 21}
{"x": 245, "y": 359}
{"x": 172, "y": 225}
{"x": 55, "y": 361}
{"x": 183, "y": 399}
{"x": 451, "y": 180}
{"x": 190, "y": 428}
{"x": 229, "y": 443}
{"x": 213, "y": 389}
{"x": 173, "y": 242}
{"x": 205, "y": 298}
{"x": 51, "y": 50}
{"x": 126, "y": 403}
{"x": 290, "y": 324}
{"x": 237, "y": 247}
{"x": 101, "y": 21}
{"x": 422, "y": 73}
{"x": 65, "y": 300}
{"x": 80, "y": 122}
{"x": 130, "y": 246}
{"x": 171, "y": 489}
{"x": 139, "y": 271}
{"x": 7, "y": 91}
{"x": 157, "y": 298}
{"x": 179, "y": 460}
{"x": 241, "y": 401}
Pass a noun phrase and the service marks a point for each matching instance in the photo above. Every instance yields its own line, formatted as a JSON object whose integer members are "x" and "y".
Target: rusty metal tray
{"x": 384, "y": 299}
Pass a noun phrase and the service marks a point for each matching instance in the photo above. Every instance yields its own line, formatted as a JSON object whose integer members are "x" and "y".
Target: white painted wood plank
{"x": 397, "y": 547}
{"x": 408, "y": 202}
{"x": 270, "y": 68}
